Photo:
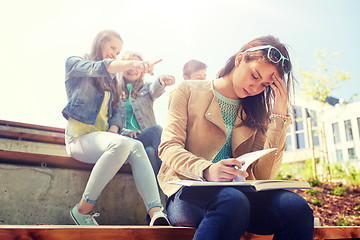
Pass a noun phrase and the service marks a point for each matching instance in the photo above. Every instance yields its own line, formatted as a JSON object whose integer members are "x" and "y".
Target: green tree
{"x": 319, "y": 85}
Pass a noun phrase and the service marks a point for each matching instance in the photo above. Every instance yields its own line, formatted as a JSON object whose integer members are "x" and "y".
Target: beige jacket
{"x": 195, "y": 132}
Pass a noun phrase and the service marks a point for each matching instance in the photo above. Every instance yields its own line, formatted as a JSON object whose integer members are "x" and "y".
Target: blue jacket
{"x": 84, "y": 98}
{"x": 142, "y": 106}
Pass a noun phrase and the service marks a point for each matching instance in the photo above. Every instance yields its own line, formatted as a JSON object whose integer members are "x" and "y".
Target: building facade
{"x": 341, "y": 124}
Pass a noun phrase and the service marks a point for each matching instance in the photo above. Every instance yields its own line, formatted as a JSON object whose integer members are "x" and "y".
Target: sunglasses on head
{"x": 274, "y": 55}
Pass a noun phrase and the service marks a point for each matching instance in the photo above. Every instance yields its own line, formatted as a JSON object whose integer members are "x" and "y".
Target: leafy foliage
{"x": 284, "y": 176}
{"x": 315, "y": 183}
{"x": 296, "y": 170}
{"x": 339, "y": 191}
{"x": 312, "y": 192}
{"x": 357, "y": 208}
{"x": 316, "y": 202}
{"x": 345, "y": 171}
{"x": 342, "y": 221}
{"x": 321, "y": 83}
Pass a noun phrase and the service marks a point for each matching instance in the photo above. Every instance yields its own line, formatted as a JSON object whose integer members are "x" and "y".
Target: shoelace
{"x": 90, "y": 217}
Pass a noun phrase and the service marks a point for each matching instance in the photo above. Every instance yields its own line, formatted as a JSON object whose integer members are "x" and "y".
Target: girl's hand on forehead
{"x": 147, "y": 66}
{"x": 281, "y": 97}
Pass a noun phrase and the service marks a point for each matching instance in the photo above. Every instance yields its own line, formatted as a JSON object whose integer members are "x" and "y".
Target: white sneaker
{"x": 159, "y": 219}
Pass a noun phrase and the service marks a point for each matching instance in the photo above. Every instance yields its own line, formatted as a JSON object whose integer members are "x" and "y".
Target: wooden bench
{"x": 28, "y": 158}
{"x": 69, "y": 232}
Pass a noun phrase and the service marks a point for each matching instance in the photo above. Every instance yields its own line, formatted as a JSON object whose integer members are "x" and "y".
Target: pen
{"x": 234, "y": 166}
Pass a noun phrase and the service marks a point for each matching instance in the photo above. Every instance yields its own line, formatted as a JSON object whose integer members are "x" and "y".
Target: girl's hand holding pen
{"x": 224, "y": 171}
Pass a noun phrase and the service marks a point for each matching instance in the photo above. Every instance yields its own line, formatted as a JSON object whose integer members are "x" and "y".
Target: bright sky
{"x": 37, "y": 36}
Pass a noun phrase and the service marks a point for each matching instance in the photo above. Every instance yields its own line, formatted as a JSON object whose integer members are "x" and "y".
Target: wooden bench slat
{"x": 16, "y": 157}
{"x": 50, "y": 160}
{"x": 91, "y": 233}
{"x": 72, "y": 232}
{"x": 32, "y": 137}
{"x": 334, "y": 232}
{"x": 32, "y": 126}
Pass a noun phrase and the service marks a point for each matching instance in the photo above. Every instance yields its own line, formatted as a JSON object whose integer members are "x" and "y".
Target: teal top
{"x": 131, "y": 122}
{"x": 229, "y": 110}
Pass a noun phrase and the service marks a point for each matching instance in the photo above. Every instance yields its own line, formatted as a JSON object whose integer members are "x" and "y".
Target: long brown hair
{"x": 124, "y": 92}
{"x": 96, "y": 55}
{"x": 256, "y": 110}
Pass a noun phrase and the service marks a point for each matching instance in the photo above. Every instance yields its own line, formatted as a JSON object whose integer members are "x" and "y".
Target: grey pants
{"x": 109, "y": 152}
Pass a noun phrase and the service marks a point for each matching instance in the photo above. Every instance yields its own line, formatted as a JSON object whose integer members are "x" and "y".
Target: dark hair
{"x": 96, "y": 55}
{"x": 193, "y": 66}
{"x": 124, "y": 92}
{"x": 256, "y": 110}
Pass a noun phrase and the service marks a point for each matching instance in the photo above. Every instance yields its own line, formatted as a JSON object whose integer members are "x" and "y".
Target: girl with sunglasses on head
{"x": 209, "y": 124}
{"x": 91, "y": 133}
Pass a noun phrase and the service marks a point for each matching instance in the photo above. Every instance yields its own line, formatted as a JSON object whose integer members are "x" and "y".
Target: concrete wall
{"x": 41, "y": 195}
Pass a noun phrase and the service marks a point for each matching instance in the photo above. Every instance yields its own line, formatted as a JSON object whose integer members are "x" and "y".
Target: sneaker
{"x": 83, "y": 219}
{"x": 159, "y": 219}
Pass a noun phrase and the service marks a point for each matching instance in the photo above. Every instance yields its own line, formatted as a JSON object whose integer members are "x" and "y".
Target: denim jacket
{"x": 142, "y": 106}
{"x": 84, "y": 98}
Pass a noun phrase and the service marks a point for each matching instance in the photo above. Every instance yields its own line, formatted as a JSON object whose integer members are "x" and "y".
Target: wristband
{"x": 275, "y": 115}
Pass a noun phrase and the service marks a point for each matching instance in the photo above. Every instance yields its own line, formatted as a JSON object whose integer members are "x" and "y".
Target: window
{"x": 336, "y": 133}
{"x": 358, "y": 120}
{"x": 289, "y": 146}
{"x": 299, "y": 128}
{"x": 351, "y": 153}
{"x": 348, "y": 130}
{"x": 300, "y": 141}
{"x": 316, "y": 138}
{"x": 312, "y": 115}
{"x": 298, "y": 119}
{"x": 339, "y": 156}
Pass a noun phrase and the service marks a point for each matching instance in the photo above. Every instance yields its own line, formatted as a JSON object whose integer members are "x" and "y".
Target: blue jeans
{"x": 226, "y": 213}
{"x": 150, "y": 138}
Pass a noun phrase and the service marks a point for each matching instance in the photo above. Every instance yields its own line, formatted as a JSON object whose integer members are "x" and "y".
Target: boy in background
{"x": 193, "y": 70}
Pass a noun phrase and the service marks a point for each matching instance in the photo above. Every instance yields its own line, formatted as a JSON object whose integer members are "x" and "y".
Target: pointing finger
{"x": 156, "y": 62}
